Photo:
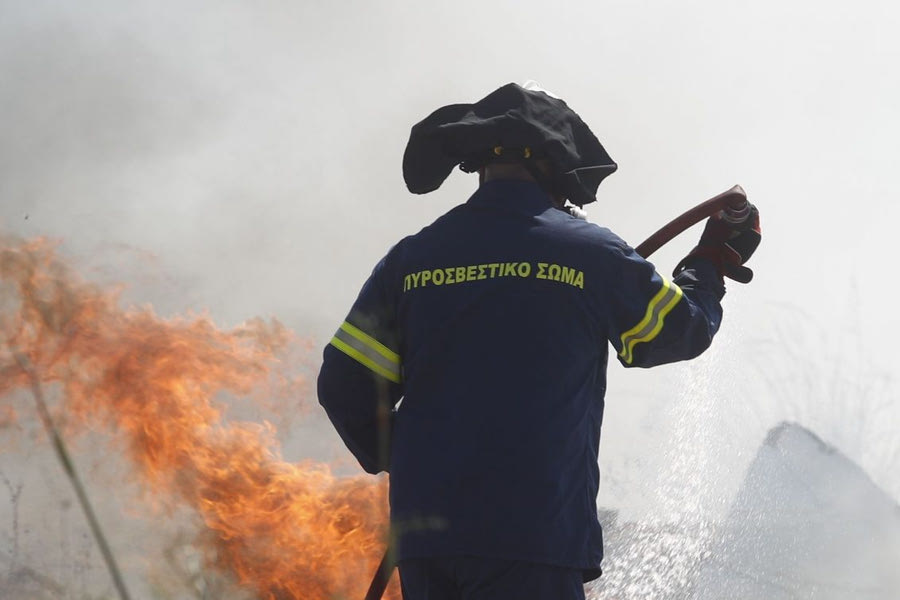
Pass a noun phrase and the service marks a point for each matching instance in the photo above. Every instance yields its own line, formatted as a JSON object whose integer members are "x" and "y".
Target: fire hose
{"x": 733, "y": 203}
{"x": 734, "y": 206}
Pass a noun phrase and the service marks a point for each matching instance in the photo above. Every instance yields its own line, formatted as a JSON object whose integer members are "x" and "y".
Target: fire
{"x": 283, "y": 530}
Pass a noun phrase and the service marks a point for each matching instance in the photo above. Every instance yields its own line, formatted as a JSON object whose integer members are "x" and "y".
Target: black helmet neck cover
{"x": 511, "y": 123}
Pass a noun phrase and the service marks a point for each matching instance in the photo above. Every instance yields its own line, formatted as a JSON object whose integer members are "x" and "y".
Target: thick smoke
{"x": 232, "y": 160}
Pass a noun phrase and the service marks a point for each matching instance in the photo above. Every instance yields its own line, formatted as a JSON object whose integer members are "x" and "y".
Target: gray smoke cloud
{"x": 244, "y": 159}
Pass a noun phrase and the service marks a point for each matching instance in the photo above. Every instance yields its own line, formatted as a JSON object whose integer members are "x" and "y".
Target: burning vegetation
{"x": 282, "y": 530}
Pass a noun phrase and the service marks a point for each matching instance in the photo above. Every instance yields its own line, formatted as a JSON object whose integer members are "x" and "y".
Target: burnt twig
{"x": 69, "y": 468}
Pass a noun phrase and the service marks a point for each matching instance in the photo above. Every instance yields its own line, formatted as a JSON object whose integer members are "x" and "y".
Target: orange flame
{"x": 283, "y": 530}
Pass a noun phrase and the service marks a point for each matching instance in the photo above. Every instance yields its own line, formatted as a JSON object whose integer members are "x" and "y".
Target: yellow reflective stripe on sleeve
{"x": 371, "y": 342}
{"x": 649, "y": 327}
{"x": 368, "y": 351}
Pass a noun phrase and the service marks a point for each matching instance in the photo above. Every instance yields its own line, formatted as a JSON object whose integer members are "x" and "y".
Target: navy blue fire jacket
{"x": 490, "y": 327}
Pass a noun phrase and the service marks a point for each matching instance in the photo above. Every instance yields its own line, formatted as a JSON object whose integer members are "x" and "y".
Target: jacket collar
{"x": 515, "y": 195}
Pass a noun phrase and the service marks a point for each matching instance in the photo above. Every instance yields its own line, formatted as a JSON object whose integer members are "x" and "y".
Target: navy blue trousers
{"x": 474, "y": 578}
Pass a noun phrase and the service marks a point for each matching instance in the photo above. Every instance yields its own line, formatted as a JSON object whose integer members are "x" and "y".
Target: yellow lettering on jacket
{"x": 553, "y": 272}
{"x": 444, "y": 276}
{"x": 579, "y": 280}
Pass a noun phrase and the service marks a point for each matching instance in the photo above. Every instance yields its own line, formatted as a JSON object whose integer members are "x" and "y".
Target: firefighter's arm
{"x": 360, "y": 379}
{"x": 655, "y": 320}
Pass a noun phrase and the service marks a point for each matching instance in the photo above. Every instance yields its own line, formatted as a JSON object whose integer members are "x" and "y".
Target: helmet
{"x": 515, "y": 123}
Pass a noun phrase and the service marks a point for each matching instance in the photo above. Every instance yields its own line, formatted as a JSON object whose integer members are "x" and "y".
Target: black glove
{"x": 728, "y": 243}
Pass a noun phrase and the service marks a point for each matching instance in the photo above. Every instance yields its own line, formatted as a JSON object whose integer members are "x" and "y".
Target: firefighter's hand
{"x": 728, "y": 244}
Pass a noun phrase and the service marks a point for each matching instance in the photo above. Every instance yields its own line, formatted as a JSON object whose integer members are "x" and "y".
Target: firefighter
{"x": 472, "y": 366}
